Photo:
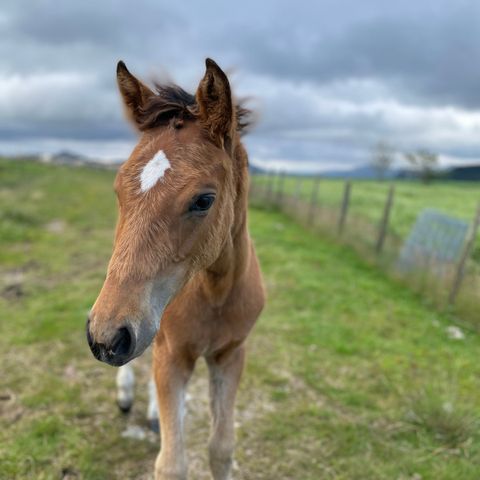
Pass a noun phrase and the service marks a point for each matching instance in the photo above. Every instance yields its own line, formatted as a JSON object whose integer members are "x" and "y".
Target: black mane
{"x": 172, "y": 104}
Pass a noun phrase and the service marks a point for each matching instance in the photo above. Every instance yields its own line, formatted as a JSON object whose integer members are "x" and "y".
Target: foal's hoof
{"x": 154, "y": 425}
{"x": 124, "y": 407}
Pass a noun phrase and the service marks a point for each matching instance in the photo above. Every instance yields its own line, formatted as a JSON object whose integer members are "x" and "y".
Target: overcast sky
{"x": 329, "y": 78}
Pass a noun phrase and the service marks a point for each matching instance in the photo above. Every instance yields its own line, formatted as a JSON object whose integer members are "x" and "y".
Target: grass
{"x": 349, "y": 375}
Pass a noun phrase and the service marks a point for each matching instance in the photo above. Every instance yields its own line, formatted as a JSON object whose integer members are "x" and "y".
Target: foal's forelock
{"x": 173, "y": 105}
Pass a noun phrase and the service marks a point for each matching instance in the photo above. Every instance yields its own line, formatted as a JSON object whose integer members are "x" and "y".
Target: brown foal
{"x": 183, "y": 273}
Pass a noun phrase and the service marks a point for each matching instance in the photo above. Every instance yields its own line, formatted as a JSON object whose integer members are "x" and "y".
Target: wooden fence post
{"x": 382, "y": 232}
{"x": 298, "y": 191}
{"x": 345, "y": 203}
{"x": 266, "y": 185}
{"x": 255, "y": 190}
{"x": 279, "y": 197}
{"x": 269, "y": 186}
{"x": 271, "y": 192}
{"x": 313, "y": 200}
{"x": 460, "y": 272}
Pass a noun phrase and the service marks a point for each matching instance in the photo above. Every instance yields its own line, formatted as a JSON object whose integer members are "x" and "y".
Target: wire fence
{"x": 444, "y": 266}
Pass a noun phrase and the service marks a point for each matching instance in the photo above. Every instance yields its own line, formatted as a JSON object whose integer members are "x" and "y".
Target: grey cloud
{"x": 318, "y": 69}
{"x": 107, "y": 23}
{"x": 426, "y": 56}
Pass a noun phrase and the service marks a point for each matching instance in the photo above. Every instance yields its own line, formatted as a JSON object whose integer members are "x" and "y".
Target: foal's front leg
{"x": 125, "y": 387}
{"x": 171, "y": 373}
{"x": 225, "y": 372}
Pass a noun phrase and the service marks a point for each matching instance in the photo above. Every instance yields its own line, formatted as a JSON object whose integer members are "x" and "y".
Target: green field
{"x": 458, "y": 199}
{"x": 349, "y": 375}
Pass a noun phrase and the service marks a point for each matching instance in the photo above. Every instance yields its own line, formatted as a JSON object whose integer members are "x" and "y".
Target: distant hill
{"x": 466, "y": 173}
{"x": 363, "y": 171}
{"x": 470, "y": 173}
{"x": 256, "y": 170}
{"x": 66, "y": 157}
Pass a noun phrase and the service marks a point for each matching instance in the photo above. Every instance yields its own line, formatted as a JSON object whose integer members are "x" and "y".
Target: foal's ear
{"x": 214, "y": 99}
{"x": 134, "y": 93}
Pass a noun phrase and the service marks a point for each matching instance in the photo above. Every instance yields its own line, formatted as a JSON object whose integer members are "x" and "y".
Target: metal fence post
{"x": 345, "y": 203}
{"x": 460, "y": 272}
{"x": 382, "y": 232}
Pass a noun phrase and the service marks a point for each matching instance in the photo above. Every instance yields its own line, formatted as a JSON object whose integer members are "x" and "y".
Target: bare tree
{"x": 383, "y": 157}
{"x": 424, "y": 162}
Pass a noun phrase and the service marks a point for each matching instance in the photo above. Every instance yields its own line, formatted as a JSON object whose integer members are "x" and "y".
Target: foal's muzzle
{"x": 118, "y": 352}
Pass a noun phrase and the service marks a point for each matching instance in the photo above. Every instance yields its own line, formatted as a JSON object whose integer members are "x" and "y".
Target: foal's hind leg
{"x": 125, "y": 387}
{"x": 225, "y": 372}
{"x": 152, "y": 409}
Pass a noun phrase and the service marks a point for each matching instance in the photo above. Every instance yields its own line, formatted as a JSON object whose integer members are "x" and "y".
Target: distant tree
{"x": 424, "y": 162}
{"x": 383, "y": 157}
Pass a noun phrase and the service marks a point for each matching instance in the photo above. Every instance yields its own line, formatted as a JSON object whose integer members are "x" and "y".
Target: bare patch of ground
{"x": 12, "y": 281}
{"x": 56, "y": 226}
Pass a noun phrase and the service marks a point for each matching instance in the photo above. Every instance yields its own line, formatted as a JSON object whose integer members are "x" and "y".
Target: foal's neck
{"x": 232, "y": 262}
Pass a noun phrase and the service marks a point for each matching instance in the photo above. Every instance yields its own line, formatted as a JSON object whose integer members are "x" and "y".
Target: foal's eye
{"x": 202, "y": 203}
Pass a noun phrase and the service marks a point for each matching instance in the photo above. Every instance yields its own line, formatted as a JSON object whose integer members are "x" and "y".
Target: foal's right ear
{"x": 134, "y": 93}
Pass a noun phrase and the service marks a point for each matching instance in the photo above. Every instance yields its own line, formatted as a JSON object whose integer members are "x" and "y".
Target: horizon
{"x": 363, "y": 171}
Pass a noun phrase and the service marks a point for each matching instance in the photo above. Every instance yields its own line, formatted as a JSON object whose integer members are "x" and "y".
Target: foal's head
{"x": 176, "y": 196}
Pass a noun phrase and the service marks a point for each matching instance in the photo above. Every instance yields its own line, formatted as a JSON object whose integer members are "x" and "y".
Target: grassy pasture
{"x": 459, "y": 199}
{"x": 349, "y": 375}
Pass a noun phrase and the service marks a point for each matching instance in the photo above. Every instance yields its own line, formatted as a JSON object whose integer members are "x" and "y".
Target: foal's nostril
{"x": 122, "y": 342}
{"x": 118, "y": 351}
{"x": 87, "y": 330}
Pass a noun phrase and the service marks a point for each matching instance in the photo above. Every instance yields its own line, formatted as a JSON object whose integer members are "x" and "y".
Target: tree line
{"x": 423, "y": 161}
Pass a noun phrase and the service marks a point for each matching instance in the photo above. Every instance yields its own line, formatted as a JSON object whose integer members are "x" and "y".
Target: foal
{"x": 183, "y": 273}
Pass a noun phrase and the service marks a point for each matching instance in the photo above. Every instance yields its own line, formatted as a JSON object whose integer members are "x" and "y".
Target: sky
{"x": 327, "y": 79}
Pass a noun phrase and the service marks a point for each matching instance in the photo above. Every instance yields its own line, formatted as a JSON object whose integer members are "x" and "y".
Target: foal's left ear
{"x": 214, "y": 99}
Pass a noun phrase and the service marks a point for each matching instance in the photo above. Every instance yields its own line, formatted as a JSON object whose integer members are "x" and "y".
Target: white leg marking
{"x": 152, "y": 410}
{"x": 125, "y": 386}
